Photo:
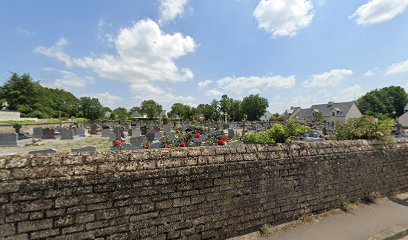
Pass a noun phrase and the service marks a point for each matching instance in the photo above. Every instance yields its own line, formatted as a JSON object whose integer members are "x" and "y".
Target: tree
{"x": 235, "y": 112}
{"x": 216, "y": 106}
{"x": 19, "y": 91}
{"x": 254, "y": 106}
{"x": 225, "y": 104}
{"x": 134, "y": 109}
{"x": 382, "y": 103}
{"x": 151, "y": 108}
{"x": 90, "y": 108}
{"x": 179, "y": 110}
{"x": 120, "y": 113}
{"x": 207, "y": 111}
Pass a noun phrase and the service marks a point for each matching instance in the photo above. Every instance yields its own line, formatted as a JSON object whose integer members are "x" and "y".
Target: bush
{"x": 278, "y": 133}
{"x": 365, "y": 127}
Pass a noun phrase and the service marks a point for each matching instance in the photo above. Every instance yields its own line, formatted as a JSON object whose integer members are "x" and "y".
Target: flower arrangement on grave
{"x": 117, "y": 144}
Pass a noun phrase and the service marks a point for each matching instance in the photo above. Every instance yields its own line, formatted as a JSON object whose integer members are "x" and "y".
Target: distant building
{"x": 403, "y": 119}
{"x": 107, "y": 114}
{"x": 328, "y": 114}
{"x": 291, "y": 113}
{"x": 137, "y": 115}
{"x": 7, "y": 115}
{"x": 266, "y": 116}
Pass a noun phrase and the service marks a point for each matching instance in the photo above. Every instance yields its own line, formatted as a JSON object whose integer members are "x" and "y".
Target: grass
{"x": 372, "y": 197}
{"x": 18, "y": 122}
{"x": 266, "y": 230}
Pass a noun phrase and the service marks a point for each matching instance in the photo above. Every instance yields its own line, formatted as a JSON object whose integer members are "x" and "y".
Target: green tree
{"x": 225, "y": 105}
{"x": 207, "y": 111}
{"x": 382, "y": 103}
{"x": 121, "y": 113}
{"x": 134, "y": 109}
{"x": 181, "y": 111}
{"x": 254, "y": 106}
{"x": 216, "y": 106}
{"x": 19, "y": 91}
{"x": 151, "y": 108}
{"x": 235, "y": 112}
{"x": 90, "y": 108}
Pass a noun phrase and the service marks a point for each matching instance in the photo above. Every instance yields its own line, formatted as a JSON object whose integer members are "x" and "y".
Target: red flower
{"x": 183, "y": 144}
{"x": 118, "y": 143}
{"x": 168, "y": 146}
{"x": 192, "y": 117}
{"x": 197, "y": 135}
{"x": 147, "y": 144}
{"x": 221, "y": 142}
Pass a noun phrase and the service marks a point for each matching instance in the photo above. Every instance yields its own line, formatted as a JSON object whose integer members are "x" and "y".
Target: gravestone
{"x": 112, "y": 136}
{"x": 155, "y": 145}
{"x": 84, "y": 149}
{"x": 118, "y": 133}
{"x": 136, "y": 132}
{"x": 231, "y": 133}
{"x": 127, "y": 146}
{"x": 138, "y": 141}
{"x": 66, "y": 133}
{"x": 171, "y": 135}
{"x": 150, "y": 136}
{"x": 143, "y": 130}
{"x": 94, "y": 129}
{"x": 158, "y": 136}
{"x": 48, "y": 133}
{"x": 167, "y": 128}
{"x": 106, "y": 132}
{"x": 8, "y": 139}
{"x": 44, "y": 151}
{"x": 37, "y": 132}
{"x": 81, "y": 132}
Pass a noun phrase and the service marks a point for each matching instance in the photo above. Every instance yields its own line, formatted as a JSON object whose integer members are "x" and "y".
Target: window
{"x": 333, "y": 114}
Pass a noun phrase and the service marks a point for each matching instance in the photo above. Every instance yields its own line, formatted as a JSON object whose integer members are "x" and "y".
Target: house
{"x": 266, "y": 116}
{"x": 403, "y": 119}
{"x": 291, "y": 113}
{"x": 137, "y": 115}
{"x": 328, "y": 114}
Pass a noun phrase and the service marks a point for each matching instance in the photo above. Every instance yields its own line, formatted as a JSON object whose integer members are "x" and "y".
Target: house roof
{"x": 326, "y": 109}
{"x": 136, "y": 114}
{"x": 294, "y": 112}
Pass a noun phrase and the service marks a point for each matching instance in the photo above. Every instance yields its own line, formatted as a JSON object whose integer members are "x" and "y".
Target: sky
{"x": 293, "y": 52}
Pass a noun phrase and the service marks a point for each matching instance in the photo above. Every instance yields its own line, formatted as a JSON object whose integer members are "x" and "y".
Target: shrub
{"x": 365, "y": 127}
{"x": 278, "y": 133}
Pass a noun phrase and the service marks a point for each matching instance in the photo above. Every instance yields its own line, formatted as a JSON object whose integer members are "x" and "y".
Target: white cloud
{"x": 144, "y": 54}
{"x": 68, "y": 80}
{"x": 348, "y": 94}
{"x": 214, "y": 93}
{"x": 106, "y": 99}
{"x": 239, "y": 85}
{"x": 369, "y": 73}
{"x": 102, "y": 36}
{"x": 397, "y": 68}
{"x": 204, "y": 84}
{"x": 283, "y": 17}
{"x": 25, "y": 32}
{"x": 56, "y": 51}
{"x": 328, "y": 79}
{"x": 171, "y": 9}
{"x": 377, "y": 11}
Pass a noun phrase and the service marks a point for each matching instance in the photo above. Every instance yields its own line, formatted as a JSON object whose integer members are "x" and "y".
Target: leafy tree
{"x": 381, "y": 103}
{"x": 207, "y": 111}
{"x": 365, "y": 127}
{"x": 216, "y": 106}
{"x": 19, "y": 91}
{"x": 151, "y": 108}
{"x": 225, "y": 105}
{"x": 134, "y": 109}
{"x": 121, "y": 113}
{"x": 181, "y": 111}
{"x": 254, "y": 106}
{"x": 235, "y": 112}
{"x": 90, "y": 108}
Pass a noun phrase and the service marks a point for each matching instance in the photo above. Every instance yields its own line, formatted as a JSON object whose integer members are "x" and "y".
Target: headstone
{"x": 84, "y": 149}
{"x": 37, "y": 132}
{"x": 136, "y": 132}
{"x": 94, "y": 129}
{"x": 143, "y": 130}
{"x": 127, "y": 146}
{"x": 81, "y": 132}
{"x": 158, "y": 136}
{"x": 106, "y": 132}
{"x": 167, "y": 128}
{"x": 138, "y": 141}
{"x": 48, "y": 133}
{"x": 231, "y": 133}
{"x": 45, "y": 151}
{"x": 150, "y": 136}
{"x": 171, "y": 135}
{"x": 118, "y": 133}
{"x": 112, "y": 136}
{"x": 155, "y": 145}
{"x": 8, "y": 139}
{"x": 66, "y": 133}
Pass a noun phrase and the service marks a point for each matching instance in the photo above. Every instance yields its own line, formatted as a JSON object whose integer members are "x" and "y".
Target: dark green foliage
{"x": 179, "y": 110}
{"x": 90, "y": 108}
{"x": 151, "y": 108}
{"x": 120, "y": 113}
{"x": 254, "y": 106}
{"x": 381, "y": 103}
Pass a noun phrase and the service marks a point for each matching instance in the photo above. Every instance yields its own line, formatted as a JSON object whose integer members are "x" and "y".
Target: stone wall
{"x": 193, "y": 193}
{"x": 28, "y": 128}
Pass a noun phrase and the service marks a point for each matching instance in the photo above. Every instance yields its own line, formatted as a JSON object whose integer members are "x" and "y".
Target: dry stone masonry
{"x": 192, "y": 193}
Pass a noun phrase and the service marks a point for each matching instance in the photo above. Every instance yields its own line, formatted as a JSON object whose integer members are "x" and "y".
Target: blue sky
{"x": 294, "y": 52}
